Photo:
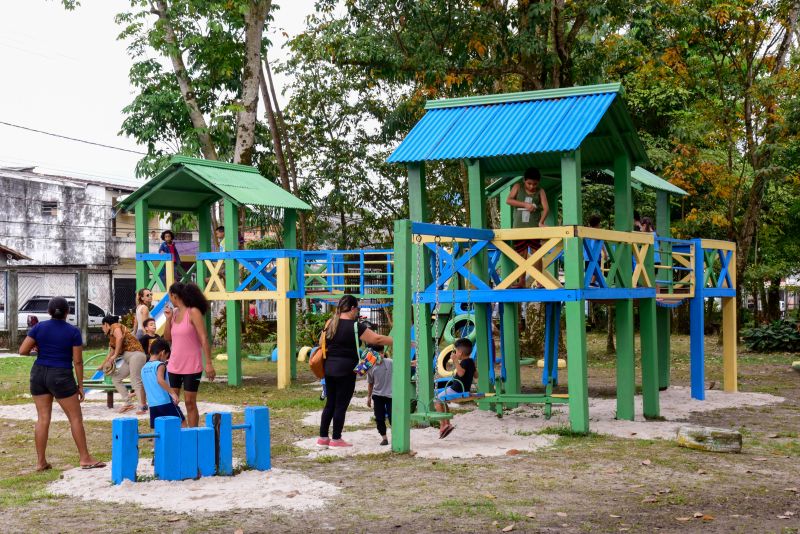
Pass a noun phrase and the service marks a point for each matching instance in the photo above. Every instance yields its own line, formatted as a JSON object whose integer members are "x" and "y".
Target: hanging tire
{"x": 302, "y": 354}
{"x": 455, "y": 326}
{"x": 442, "y": 361}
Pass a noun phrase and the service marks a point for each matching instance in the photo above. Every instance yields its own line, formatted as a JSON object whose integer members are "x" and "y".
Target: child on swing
{"x": 379, "y": 391}
{"x": 464, "y": 372}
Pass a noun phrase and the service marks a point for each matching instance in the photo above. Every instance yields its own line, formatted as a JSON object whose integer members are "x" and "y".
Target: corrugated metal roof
{"x": 648, "y": 179}
{"x": 504, "y": 129}
{"x": 198, "y": 181}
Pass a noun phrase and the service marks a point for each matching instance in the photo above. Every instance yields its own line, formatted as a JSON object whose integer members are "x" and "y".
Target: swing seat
{"x": 431, "y": 417}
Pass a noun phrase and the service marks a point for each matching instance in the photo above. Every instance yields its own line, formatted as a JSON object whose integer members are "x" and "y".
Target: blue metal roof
{"x": 504, "y": 129}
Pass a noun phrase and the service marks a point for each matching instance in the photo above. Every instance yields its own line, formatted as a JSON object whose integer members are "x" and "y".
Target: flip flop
{"x": 96, "y": 465}
{"x": 446, "y": 432}
{"x": 46, "y": 467}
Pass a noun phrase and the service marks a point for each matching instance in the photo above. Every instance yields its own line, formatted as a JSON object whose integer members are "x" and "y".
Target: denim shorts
{"x": 56, "y": 381}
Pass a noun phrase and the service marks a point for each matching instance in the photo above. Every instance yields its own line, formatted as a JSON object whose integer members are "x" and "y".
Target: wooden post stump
{"x": 709, "y": 439}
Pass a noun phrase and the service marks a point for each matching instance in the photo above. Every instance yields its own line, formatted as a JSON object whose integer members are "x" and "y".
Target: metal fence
{"x": 3, "y": 298}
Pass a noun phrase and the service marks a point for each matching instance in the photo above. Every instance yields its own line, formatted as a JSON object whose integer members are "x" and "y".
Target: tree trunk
{"x": 184, "y": 82}
{"x": 610, "y": 348}
{"x": 254, "y": 20}
{"x": 287, "y": 149}
{"x": 277, "y": 145}
{"x": 773, "y": 300}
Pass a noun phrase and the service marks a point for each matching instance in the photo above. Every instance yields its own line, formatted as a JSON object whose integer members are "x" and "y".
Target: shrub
{"x": 778, "y": 336}
{"x": 309, "y": 326}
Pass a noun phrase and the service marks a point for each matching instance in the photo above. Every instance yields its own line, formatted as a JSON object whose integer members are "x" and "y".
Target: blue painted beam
{"x": 713, "y": 292}
{"x": 501, "y": 295}
{"x": 451, "y": 231}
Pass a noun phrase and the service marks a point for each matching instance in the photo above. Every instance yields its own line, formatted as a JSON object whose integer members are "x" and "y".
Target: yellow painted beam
{"x": 643, "y": 238}
{"x": 546, "y": 232}
{"x": 284, "y": 324}
{"x": 718, "y": 244}
{"x": 243, "y": 295}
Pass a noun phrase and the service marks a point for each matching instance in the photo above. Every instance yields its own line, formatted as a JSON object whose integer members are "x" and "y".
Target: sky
{"x": 66, "y": 73}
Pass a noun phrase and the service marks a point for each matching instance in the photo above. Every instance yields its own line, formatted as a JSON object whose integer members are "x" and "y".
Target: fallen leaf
{"x": 697, "y": 515}
{"x": 783, "y": 517}
{"x": 561, "y": 514}
{"x": 788, "y": 513}
{"x": 494, "y": 523}
{"x": 614, "y": 516}
{"x": 646, "y": 462}
{"x": 292, "y": 494}
{"x": 173, "y": 518}
{"x": 707, "y": 517}
{"x": 760, "y": 459}
{"x": 489, "y": 496}
{"x": 773, "y": 436}
{"x": 650, "y": 499}
{"x": 683, "y": 518}
{"x": 663, "y": 491}
{"x": 793, "y": 490}
{"x": 624, "y": 529}
{"x": 238, "y": 531}
{"x": 508, "y": 528}
{"x": 701, "y": 472}
{"x": 531, "y": 515}
{"x": 512, "y": 452}
{"x": 636, "y": 486}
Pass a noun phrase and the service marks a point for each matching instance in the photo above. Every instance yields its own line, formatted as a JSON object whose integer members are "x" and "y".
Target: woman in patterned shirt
{"x": 127, "y": 355}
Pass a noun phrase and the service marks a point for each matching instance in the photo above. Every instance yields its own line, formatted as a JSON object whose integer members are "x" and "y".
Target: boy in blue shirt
{"x": 161, "y": 399}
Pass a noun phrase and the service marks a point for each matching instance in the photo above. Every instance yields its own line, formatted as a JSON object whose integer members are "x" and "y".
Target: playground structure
{"x": 439, "y": 271}
{"x": 189, "y": 453}
{"x": 562, "y": 132}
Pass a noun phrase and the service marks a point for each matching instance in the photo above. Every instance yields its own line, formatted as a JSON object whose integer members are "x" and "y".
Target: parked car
{"x": 35, "y": 310}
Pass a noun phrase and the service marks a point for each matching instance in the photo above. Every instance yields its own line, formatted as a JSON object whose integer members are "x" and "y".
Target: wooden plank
{"x": 717, "y": 244}
{"x": 548, "y": 232}
{"x": 709, "y": 439}
{"x": 615, "y": 236}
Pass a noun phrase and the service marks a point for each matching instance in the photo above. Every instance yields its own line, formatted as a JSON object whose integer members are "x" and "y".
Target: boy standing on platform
{"x": 531, "y": 209}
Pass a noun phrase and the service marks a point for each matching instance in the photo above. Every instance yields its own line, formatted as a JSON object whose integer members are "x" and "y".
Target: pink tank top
{"x": 187, "y": 353}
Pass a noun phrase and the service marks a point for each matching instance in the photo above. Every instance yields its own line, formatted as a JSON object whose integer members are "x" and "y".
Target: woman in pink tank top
{"x": 186, "y": 330}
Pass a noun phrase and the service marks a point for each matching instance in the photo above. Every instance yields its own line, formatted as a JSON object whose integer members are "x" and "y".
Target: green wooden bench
{"x": 103, "y": 383}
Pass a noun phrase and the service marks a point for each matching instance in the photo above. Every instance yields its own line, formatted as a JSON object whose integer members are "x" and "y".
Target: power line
{"x": 72, "y": 138}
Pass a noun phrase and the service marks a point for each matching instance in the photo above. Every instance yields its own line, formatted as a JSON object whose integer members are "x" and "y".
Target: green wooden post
{"x": 233, "y": 308}
{"x": 479, "y": 266}
{"x": 664, "y": 315}
{"x": 510, "y": 331}
{"x": 421, "y": 277}
{"x": 623, "y": 221}
{"x": 204, "y": 245}
{"x": 401, "y": 369}
{"x": 647, "y": 332}
{"x": 577, "y": 373}
{"x": 141, "y": 215}
{"x": 290, "y": 242}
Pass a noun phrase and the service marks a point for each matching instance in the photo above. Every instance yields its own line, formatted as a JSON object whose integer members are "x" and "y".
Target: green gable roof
{"x": 187, "y": 184}
{"x": 650, "y": 180}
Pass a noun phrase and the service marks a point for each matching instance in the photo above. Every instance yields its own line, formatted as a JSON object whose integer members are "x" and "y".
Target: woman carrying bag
{"x": 342, "y": 334}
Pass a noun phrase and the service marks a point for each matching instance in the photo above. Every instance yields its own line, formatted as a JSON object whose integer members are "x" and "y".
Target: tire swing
{"x": 462, "y": 325}
{"x": 444, "y": 359}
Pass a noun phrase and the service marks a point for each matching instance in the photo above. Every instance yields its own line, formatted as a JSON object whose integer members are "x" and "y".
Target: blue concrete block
{"x": 167, "y": 455}
{"x": 274, "y": 356}
{"x": 188, "y": 453}
{"x": 257, "y": 437}
{"x": 223, "y": 441}
{"x": 124, "y": 449}
{"x": 205, "y": 451}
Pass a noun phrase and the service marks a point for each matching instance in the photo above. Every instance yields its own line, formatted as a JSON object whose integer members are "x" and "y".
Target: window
{"x": 95, "y": 311}
{"x": 49, "y": 208}
{"x": 35, "y": 306}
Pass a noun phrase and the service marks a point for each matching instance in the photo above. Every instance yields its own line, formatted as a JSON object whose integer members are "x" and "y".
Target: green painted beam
{"x": 204, "y": 231}
{"x": 664, "y": 315}
{"x": 420, "y": 279}
{"x": 401, "y": 351}
{"x": 290, "y": 242}
{"x": 142, "y": 214}
{"x": 577, "y": 373}
{"x": 525, "y": 96}
{"x": 510, "y": 330}
{"x": 479, "y": 265}
{"x": 649, "y": 345}
{"x": 623, "y": 309}
{"x": 233, "y": 308}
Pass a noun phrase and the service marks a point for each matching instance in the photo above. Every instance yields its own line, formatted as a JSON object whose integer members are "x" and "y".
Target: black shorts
{"x": 190, "y": 382}
{"x": 56, "y": 381}
{"x": 164, "y": 410}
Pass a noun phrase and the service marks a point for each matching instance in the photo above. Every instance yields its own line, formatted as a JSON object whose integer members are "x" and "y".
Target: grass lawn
{"x": 589, "y": 483}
